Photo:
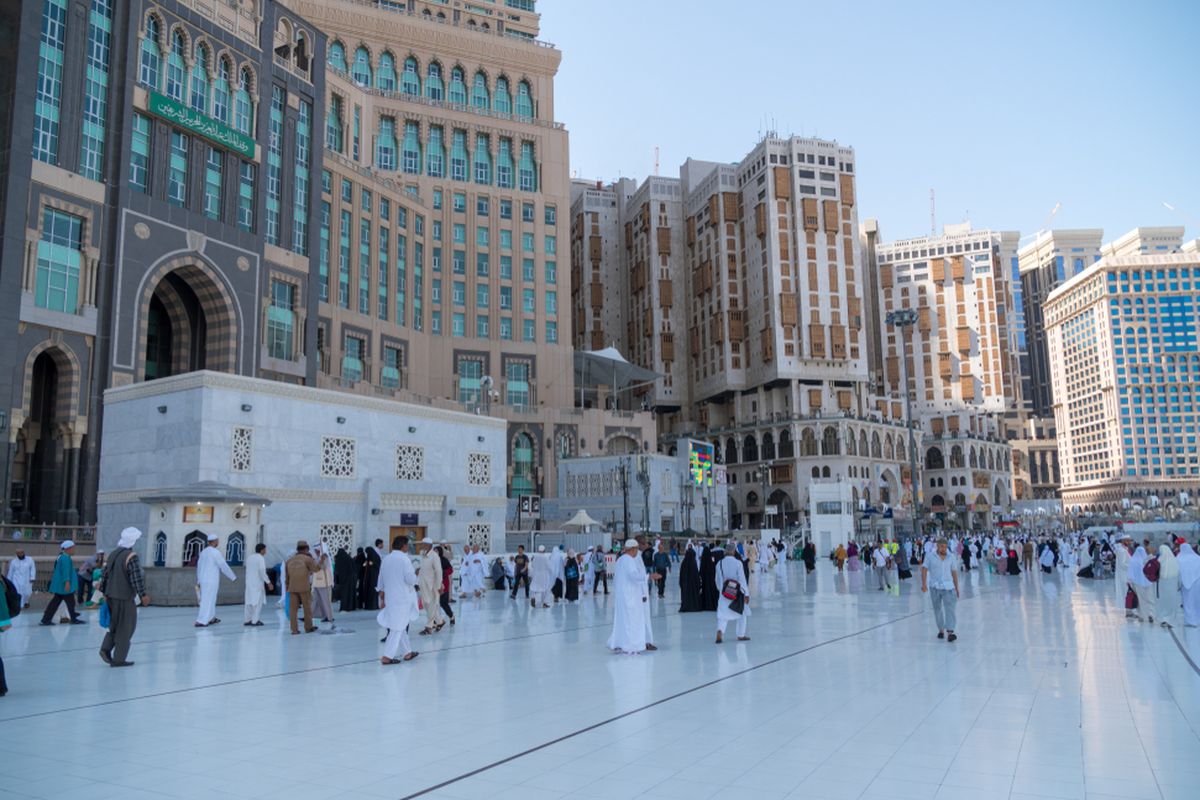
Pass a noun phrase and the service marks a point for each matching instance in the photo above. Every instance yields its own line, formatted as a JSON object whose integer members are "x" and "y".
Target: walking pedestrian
{"x": 87, "y": 577}
{"x": 734, "y": 601}
{"x": 121, "y": 582}
{"x": 879, "y": 559}
{"x": 322, "y": 584}
{"x": 662, "y": 565}
{"x": 599, "y": 570}
{"x": 257, "y": 584}
{"x": 629, "y": 618}
{"x": 62, "y": 584}
{"x": 521, "y": 572}
{"x": 397, "y": 589}
{"x": 429, "y": 582}
{"x": 22, "y": 572}
{"x": 209, "y": 569}
{"x": 447, "y": 571}
{"x": 940, "y": 578}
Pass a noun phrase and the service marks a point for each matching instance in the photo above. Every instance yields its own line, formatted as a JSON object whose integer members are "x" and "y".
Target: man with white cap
{"x": 62, "y": 586}
{"x": 22, "y": 571}
{"x": 397, "y": 589}
{"x": 209, "y": 569}
{"x": 542, "y": 570}
{"x": 632, "y": 597}
{"x": 121, "y": 582}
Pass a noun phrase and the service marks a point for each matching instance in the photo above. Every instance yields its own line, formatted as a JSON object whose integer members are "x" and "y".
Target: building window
{"x": 551, "y": 245}
{"x": 506, "y": 328}
{"x": 352, "y": 359}
{"x": 212, "y": 182}
{"x": 551, "y": 215}
{"x": 385, "y": 144}
{"x": 48, "y": 94}
{"x": 361, "y": 71}
{"x": 527, "y": 213}
{"x": 410, "y": 462}
{"x": 435, "y": 153}
{"x": 551, "y": 272}
{"x": 344, "y": 260}
{"x": 150, "y": 61}
{"x": 410, "y": 81}
{"x": 393, "y": 365}
{"x": 323, "y": 256}
{"x": 506, "y": 268}
{"x": 401, "y": 277}
{"x": 528, "y": 169}
{"x": 383, "y": 266}
{"x": 470, "y": 377}
{"x": 243, "y": 105}
{"x": 481, "y": 326}
{"x": 551, "y": 302}
{"x": 177, "y": 169}
{"x": 528, "y": 301}
{"x": 433, "y": 82}
{"x": 139, "y": 153}
{"x": 281, "y": 321}
{"x": 505, "y": 298}
{"x": 245, "y": 219}
{"x": 522, "y": 480}
{"x": 221, "y": 96}
{"x": 385, "y": 77}
{"x": 551, "y": 332}
{"x": 502, "y": 102}
{"x": 458, "y": 164}
{"x": 479, "y": 93}
{"x": 337, "y": 457}
{"x": 335, "y": 125}
{"x": 95, "y": 101}
{"x": 300, "y": 188}
{"x": 336, "y": 57}
{"x": 412, "y": 149}
{"x": 199, "y": 93}
{"x": 175, "y": 66}
{"x": 59, "y": 257}
{"x": 274, "y": 165}
{"x": 459, "y": 293}
{"x": 364, "y": 266}
{"x": 528, "y": 330}
{"x": 458, "y": 86}
{"x": 527, "y": 266}
{"x": 516, "y": 384}
{"x": 504, "y": 164}
{"x": 481, "y": 295}
{"x": 483, "y": 160}
{"x": 524, "y": 100}
{"x": 458, "y": 324}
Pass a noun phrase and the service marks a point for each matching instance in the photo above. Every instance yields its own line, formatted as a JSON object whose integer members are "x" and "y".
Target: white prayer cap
{"x": 630, "y": 543}
{"x": 68, "y": 544}
{"x": 212, "y": 537}
{"x": 541, "y": 548}
{"x": 129, "y": 536}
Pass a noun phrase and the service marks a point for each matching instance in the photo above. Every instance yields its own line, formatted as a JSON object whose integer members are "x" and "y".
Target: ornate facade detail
{"x": 410, "y": 462}
{"x": 479, "y": 469}
{"x": 337, "y": 457}
{"x": 242, "y": 456}
{"x": 480, "y": 533}
{"x": 337, "y": 535}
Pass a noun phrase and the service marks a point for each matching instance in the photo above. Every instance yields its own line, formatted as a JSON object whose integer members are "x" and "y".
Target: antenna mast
{"x": 656, "y": 160}
{"x": 932, "y": 214}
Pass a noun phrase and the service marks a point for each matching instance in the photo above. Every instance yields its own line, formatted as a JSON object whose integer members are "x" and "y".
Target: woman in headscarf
{"x": 571, "y": 577}
{"x": 1046, "y": 560}
{"x": 344, "y": 575}
{"x": 708, "y": 580}
{"x": 360, "y": 569}
{"x": 852, "y": 562}
{"x": 1135, "y": 574}
{"x": 1013, "y": 565}
{"x": 1168, "y": 586}
{"x": 810, "y": 557}
{"x": 689, "y": 583}
{"x": 1189, "y": 580}
{"x": 839, "y": 557}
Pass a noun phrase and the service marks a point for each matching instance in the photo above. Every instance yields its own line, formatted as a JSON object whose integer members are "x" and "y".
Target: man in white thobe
{"x": 22, "y": 571}
{"x": 541, "y": 571}
{"x": 397, "y": 589}
{"x": 558, "y": 565}
{"x": 632, "y": 591}
{"x": 1121, "y": 573}
{"x": 479, "y": 570}
{"x": 429, "y": 582}
{"x": 257, "y": 582}
{"x": 730, "y": 569}
{"x": 209, "y": 569}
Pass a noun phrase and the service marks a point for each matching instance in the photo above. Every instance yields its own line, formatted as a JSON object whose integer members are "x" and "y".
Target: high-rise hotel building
{"x": 443, "y": 268}
{"x": 745, "y": 293}
{"x": 960, "y": 361}
{"x": 1122, "y": 336}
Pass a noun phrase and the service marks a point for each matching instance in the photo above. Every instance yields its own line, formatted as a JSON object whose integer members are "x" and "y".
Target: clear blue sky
{"x": 1004, "y": 108}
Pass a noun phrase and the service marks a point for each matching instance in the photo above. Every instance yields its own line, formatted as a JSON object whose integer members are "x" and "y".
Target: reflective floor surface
{"x": 843, "y": 692}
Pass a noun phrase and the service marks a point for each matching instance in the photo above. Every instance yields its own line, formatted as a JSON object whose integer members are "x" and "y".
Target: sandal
{"x": 426, "y": 632}
{"x": 387, "y": 662}
{"x": 743, "y": 638}
{"x": 410, "y": 656}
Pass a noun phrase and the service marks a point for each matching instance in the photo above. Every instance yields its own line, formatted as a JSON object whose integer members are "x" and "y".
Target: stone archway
{"x": 47, "y": 435}
{"x": 188, "y": 319}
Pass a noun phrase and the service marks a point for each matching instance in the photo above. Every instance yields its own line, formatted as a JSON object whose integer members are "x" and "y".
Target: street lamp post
{"x": 625, "y": 493}
{"x": 904, "y": 319}
{"x": 643, "y": 479}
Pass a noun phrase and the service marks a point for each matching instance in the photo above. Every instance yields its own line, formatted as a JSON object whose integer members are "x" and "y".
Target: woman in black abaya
{"x": 689, "y": 583}
{"x": 709, "y": 591}
{"x": 346, "y": 577}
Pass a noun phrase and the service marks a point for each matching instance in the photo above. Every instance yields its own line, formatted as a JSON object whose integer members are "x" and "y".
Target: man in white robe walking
{"x": 429, "y": 582}
{"x": 730, "y": 569}
{"x": 22, "y": 571}
{"x": 257, "y": 583}
{"x": 632, "y": 592}
{"x": 397, "y": 589}
{"x": 209, "y": 569}
{"x": 541, "y": 570}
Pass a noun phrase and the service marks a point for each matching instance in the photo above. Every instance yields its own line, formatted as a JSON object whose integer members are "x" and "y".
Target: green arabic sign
{"x": 202, "y": 124}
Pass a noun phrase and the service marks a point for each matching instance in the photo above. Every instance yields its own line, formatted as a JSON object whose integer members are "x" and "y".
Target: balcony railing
{"x": 47, "y": 533}
{"x": 391, "y": 5}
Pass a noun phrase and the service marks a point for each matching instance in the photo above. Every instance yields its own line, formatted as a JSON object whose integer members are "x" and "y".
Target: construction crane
{"x": 1045, "y": 224}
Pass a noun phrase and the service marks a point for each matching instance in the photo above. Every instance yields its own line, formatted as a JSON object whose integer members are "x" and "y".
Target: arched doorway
{"x": 43, "y": 455}
{"x": 522, "y": 474}
{"x": 621, "y": 446}
{"x": 193, "y": 545}
{"x": 189, "y": 322}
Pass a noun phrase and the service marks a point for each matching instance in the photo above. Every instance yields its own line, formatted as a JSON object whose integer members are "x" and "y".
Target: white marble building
{"x": 274, "y": 462}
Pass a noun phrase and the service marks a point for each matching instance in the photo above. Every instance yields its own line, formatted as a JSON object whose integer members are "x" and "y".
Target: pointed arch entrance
{"x": 188, "y": 322}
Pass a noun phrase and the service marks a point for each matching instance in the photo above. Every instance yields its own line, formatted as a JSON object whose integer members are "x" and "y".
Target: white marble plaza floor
{"x": 843, "y": 692}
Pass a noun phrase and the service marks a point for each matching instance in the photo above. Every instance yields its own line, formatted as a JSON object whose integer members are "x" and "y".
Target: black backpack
{"x": 13, "y": 598}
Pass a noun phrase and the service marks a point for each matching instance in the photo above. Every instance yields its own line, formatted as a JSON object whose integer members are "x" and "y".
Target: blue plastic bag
{"x": 105, "y": 615}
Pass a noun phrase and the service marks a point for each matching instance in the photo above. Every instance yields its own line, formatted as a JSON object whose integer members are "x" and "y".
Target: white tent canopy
{"x": 581, "y": 520}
